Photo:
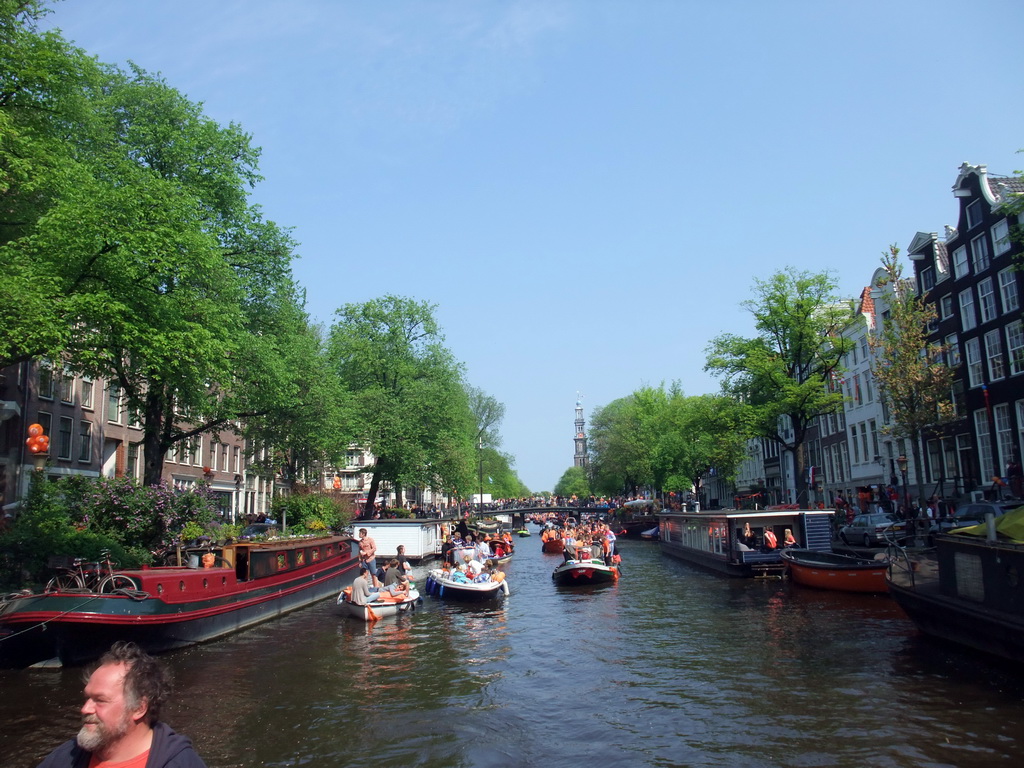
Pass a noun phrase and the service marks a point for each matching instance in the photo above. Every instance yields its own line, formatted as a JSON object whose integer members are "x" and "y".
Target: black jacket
{"x": 169, "y": 750}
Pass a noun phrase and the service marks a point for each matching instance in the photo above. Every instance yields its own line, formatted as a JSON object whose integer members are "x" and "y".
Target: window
{"x": 967, "y": 317}
{"x": 45, "y": 381}
{"x": 87, "y": 393}
{"x": 64, "y": 438}
{"x": 85, "y": 441}
{"x": 972, "y": 350}
{"x": 45, "y": 421}
{"x": 974, "y": 214}
{"x": 1015, "y": 346}
{"x": 946, "y": 306}
{"x": 864, "y": 442}
{"x": 67, "y": 387}
{"x": 874, "y": 437}
{"x": 987, "y": 300}
{"x": 869, "y": 395}
{"x": 994, "y": 353}
{"x": 113, "y": 404}
{"x": 984, "y": 443}
{"x": 927, "y": 279}
{"x": 981, "y": 256}
{"x": 1004, "y": 433}
{"x": 942, "y": 263}
{"x": 960, "y": 262}
{"x": 953, "y": 350}
{"x": 1008, "y": 290}
{"x": 856, "y": 447}
{"x": 1001, "y": 237}
{"x": 131, "y": 464}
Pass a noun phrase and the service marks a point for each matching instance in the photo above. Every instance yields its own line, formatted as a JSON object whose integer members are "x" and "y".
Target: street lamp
{"x": 480, "y": 500}
{"x": 901, "y": 463}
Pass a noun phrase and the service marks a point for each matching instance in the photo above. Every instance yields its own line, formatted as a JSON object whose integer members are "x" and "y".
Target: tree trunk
{"x": 371, "y": 495}
{"x": 152, "y": 438}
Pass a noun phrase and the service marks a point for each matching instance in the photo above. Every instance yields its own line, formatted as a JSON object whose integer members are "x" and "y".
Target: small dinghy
{"x": 580, "y": 573}
{"x": 441, "y": 584}
{"x": 379, "y": 608}
{"x": 831, "y": 570}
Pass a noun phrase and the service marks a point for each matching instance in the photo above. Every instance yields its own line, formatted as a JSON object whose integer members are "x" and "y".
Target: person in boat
{"x": 788, "y": 540}
{"x": 394, "y": 573}
{"x": 609, "y": 544}
{"x": 403, "y": 561}
{"x": 363, "y": 589}
{"x": 741, "y": 540}
{"x": 484, "y": 575}
{"x": 771, "y": 541}
{"x": 367, "y": 551}
{"x": 400, "y": 586}
{"x": 472, "y": 565}
{"x": 446, "y": 550}
{"x": 483, "y": 548}
{"x": 459, "y": 575}
{"x": 121, "y": 717}
{"x": 748, "y": 536}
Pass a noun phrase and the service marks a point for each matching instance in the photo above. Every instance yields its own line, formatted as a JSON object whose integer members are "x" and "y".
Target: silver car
{"x": 876, "y": 528}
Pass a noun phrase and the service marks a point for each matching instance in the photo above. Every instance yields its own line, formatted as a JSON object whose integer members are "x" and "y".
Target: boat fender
{"x": 504, "y": 588}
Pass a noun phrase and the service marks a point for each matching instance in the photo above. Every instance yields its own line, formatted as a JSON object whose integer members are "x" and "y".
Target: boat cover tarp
{"x": 1009, "y": 526}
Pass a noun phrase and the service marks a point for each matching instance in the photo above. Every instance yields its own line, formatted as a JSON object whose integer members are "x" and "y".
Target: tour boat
{"x": 830, "y": 570}
{"x": 379, "y": 608}
{"x": 580, "y": 573}
{"x": 170, "y": 607}
{"x": 712, "y": 539}
{"x": 440, "y": 584}
{"x": 969, "y": 591}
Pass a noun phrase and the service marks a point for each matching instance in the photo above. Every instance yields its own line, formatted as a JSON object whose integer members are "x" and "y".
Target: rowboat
{"x": 379, "y": 608}
{"x": 553, "y": 546}
{"x": 166, "y": 607}
{"x": 579, "y": 573}
{"x": 440, "y": 585}
{"x": 830, "y": 570}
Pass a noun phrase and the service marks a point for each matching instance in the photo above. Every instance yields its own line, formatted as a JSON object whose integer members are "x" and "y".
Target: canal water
{"x": 672, "y": 666}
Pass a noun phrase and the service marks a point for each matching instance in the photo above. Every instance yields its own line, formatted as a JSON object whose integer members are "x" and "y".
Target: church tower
{"x": 580, "y": 459}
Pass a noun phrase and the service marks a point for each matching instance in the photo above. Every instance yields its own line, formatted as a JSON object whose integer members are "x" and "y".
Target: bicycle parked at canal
{"x": 76, "y": 574}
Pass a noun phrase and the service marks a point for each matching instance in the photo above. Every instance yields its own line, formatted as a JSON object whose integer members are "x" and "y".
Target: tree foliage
{"x": 782, "y": 375}
{"x": 409, "y": 402}
{"x": 914, "y": 378}
{"x": 573, "y": 482}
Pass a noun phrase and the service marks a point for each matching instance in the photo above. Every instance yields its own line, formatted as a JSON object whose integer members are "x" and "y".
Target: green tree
{"x": 409, "y": 402}
{"x": 782, "y": 375}
{"x": 621, "y": 446}
{"x": 914, "y": 379}
{"x": 573, "y": 482}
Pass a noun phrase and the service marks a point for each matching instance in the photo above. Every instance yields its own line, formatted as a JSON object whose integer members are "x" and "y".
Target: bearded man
{"x": 121, "y": 718}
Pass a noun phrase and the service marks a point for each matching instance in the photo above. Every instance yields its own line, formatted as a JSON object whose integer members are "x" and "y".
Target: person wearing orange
{"x": 771, "y": 541}
{"x": 788, "y": 540}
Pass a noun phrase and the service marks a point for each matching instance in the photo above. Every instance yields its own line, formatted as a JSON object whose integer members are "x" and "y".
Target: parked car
{"x": 258, "y": 529}
{"x": 876, "y": 528}
{"x": 973, "y": 513}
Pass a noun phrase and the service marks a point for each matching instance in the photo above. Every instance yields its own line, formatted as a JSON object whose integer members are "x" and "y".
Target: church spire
{"x": 580, "y": 458}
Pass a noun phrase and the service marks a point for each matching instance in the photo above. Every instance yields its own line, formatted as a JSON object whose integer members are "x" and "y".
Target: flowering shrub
{"x": 313, "y": 512}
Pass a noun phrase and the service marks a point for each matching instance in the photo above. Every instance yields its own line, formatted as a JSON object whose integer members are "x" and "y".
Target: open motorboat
{"x": 441, "y": 584}
{"x": 378, "y": 609}
{"x": 831, "y": 570}
{"x": 579, "y": 573}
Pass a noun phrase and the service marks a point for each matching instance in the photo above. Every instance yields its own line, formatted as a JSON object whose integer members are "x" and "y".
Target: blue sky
{"x": 587, "y": 189}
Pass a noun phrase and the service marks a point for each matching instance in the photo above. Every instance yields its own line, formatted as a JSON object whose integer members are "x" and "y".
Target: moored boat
{"x": 379, "y": 608}
{"x": 969, "y": 592}
{"x": 168, "y": 607}
{"x": 830, "y": 570}
{"x": 440, "y": 584}
{"x": 581, "y": 573}
{"x": 739, "y": 543}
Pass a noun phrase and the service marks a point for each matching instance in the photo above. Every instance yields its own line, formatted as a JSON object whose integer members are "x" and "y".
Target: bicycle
{"x": 84, "y": 576}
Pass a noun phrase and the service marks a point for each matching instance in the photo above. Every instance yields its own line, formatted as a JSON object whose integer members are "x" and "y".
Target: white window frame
{"x": 65, "y": 437}
{"x": 927, "y": 279}
{"x": 987, "y": 299}
{"x": 87, "y": 393}
{"x": 1009, "y": 295}
{"x": 1015, "y": 346}
{"x": 968, "y": 318}
{"x": 972, "y": 214}
{"x": 1000, "y": 237}
{"x": 953, "y": 349}
{"x": 114, "y": 391}
{"x": 984, "y": 438}
{"x": 960, "y": 264}
{"x": 972, "y": 357}
{"x": 994, "y": 355}
{"x": 85, "y": 441}
{"x": 1004, "y": 433}
{"x": 946, "y": 307}
{"x": 981, "y": 254}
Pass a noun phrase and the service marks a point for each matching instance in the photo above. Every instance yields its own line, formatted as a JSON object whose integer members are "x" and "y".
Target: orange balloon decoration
{"x": 35, "y": 429}
{"x": 44, "y": 441}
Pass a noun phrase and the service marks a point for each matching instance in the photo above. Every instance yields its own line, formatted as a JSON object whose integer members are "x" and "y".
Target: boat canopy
{"x": 1009, "y": 527}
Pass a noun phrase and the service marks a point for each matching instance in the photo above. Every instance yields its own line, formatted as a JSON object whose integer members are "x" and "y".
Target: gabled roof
{"x": 996, "y": 189}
